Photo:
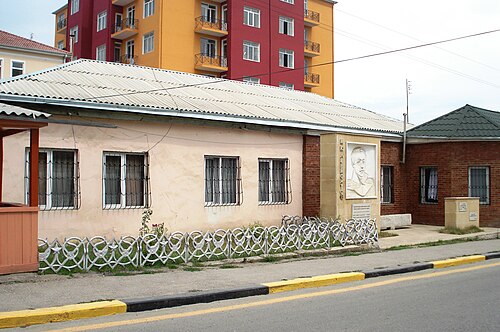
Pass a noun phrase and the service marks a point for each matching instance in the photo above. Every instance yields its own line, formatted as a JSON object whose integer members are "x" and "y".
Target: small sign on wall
{"x": 462, "y": 207}
{"x": 473, "y": 216}
{"x": 361, "y": 211}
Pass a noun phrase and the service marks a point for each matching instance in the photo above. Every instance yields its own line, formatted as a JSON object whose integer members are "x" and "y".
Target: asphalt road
{"x": 464, "y": 298}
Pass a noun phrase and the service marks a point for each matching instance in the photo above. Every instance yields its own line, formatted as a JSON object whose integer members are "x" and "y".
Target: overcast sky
{"x": 444, "y": 77}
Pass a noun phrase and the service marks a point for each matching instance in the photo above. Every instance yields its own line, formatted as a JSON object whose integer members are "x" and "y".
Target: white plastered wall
{"x": 176, "y": 170}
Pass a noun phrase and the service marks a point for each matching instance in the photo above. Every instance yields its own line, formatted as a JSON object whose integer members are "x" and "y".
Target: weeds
{"x": 461, "y": 231}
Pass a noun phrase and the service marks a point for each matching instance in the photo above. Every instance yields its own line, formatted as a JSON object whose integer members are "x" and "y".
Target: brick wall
{"x": 391, "y": 155}
{"x": 310, "y": 176}
{"x": 452, "y": 160}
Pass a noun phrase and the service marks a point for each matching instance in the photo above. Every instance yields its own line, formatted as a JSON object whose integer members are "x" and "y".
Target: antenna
{"x": 32, "y": 35}
{"x": 408, "y": 92}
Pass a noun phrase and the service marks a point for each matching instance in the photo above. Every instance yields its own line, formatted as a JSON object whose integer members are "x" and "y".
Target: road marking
{"x": 271, "y": 301}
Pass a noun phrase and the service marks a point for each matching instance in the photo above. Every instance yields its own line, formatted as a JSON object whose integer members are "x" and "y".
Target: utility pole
{"x": 408, "y": 92}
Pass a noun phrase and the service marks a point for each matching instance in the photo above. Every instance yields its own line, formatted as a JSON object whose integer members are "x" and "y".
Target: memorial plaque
{"x": 473, "y": 216}
{"x": 361, "y": 211}
{"x": 462, "y": 207}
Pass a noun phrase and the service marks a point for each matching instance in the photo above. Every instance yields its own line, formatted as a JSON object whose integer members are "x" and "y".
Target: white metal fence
{"x": 295, "y": 233}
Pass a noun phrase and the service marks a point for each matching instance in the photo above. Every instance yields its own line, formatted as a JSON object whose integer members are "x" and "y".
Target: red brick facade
{"x": 452, "y": 160}
{"x": 310, "y": 176}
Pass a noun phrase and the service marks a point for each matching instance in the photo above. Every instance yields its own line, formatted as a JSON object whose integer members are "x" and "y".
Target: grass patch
{"x": 461, "y": 231}
{"x": 192, "y": 269}
{"x": 229, "y": 266}
{"x": 383, "y": 234}
{"x": 431, "y": 244}
{"x": 270, "y": 259}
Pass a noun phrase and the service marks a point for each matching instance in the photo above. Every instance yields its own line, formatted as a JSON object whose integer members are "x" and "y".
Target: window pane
{"x": 63, "y": 174}
{"x": 212, "y": 191}
{"x": 112, "y": 184}
{"x": 478, "y": 184}
{"x": 42, "y": 178}
{"x": 134, "y": 180}
{"x": 279, "y": 186}
{"x": 264, "y": 171}
{"x": 228, "y": 171}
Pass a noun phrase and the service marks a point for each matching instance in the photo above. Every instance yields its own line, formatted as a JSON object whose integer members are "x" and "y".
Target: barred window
{"x": 125, "y": 180}
{"x": 428, "y": 185}
{"x": 222, "y": 181}
{"x": 386, "y": 189}
{"x": 274, "y": 181}
{"x": 58, "y": 177}
{"x": 479, "y": 183}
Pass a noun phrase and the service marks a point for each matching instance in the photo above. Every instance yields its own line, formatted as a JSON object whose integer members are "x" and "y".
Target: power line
{"x": 414, "y": 38}
{"x": 310, "y": 66}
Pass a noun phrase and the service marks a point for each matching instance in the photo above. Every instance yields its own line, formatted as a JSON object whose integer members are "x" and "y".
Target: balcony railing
{"x": 311, "y": 17}
{"x": 209, "y": 23}
{"x": 311, "y": 79}
{"x": 131, "y": 60}
{"x": 211, "y": 62}
{"x": 127, "y": 23}
{"x": 311, "y": 46}
{"x": 61, "y": 24}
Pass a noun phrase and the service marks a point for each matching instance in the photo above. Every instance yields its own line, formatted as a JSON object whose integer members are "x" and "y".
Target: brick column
{"x": 310, "y": 176}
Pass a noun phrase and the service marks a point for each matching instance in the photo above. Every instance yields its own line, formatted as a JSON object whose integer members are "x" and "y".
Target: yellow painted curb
{"x": 60, "y": 314}
{"x": 325, "y": 280}
{"x": 458, "y": 261}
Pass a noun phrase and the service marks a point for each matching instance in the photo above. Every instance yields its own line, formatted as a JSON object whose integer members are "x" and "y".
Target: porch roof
{"x": 126, "y": 88}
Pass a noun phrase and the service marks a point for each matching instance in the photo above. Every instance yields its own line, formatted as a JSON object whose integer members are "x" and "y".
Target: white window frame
{"x": 102, "y": 19}
{"x": 123, "y": 187}
{"x": 289, "y": 55}
{"x": 149, "y": 8}
{"x": 286, "y": 26}
{"x": 251, "y": 80}
{"x": 286, "y": 86}
{"x": 288, "y": 1}
{"x": 251, "y": 51}
{"x": 487, "y": 183}
{"x": 17, "y": 68}
{"x": 49, "y": 184}
{"x": 251, "y": 17}
{"x": 270, "y": 184}
{"x": 209, "y": 41}
{"x": 130, "y": 46}
{"x": 219, "y": 200}
{"x": 2, "y": 65}
{"x": 100, "y": 52}
{"x": 74, "y": 31}
{"x": 424, "y": 189}
{"x": 148, "y": 42}
{"x": 208, "y": 7}
{"x": 60, "y": 44}
{"x": 75, "y": 6}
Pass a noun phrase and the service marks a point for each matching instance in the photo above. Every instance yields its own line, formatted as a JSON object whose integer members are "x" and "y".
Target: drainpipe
{"x": 404, "y": 138}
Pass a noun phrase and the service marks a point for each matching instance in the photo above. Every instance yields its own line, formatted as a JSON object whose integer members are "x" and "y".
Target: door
{"x": 208, "y": 47}
{"x": 209, "y": 12}
{"x": 131, "y": 17}
{"x": 224, "y": 18}
{"x": 223, "y": 53}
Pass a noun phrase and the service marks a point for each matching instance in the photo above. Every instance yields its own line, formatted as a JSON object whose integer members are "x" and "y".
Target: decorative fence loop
{"x": 295, "y": 233}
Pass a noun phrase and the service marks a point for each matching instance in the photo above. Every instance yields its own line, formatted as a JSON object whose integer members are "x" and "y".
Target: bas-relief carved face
{"x": 358, "y": 161}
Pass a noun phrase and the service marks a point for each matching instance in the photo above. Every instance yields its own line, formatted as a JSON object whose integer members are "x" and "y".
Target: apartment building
{"x": 274, "y": 42}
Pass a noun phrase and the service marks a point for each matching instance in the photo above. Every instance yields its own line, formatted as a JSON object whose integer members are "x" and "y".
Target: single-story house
{"x": 201, "y": 152}
{"x": 454, "y": 155}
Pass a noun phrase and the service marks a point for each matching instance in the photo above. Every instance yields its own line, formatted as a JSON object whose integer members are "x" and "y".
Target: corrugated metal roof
{"x": 11, "y": 110}
{"x": 465, "y": 122}
{"x": 143, "y": 89}
{"x": 10, "y": 40}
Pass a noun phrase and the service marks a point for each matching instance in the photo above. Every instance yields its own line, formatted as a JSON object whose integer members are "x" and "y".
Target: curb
{"x": 105, "y": 308}
{"x": 61, "y": 314}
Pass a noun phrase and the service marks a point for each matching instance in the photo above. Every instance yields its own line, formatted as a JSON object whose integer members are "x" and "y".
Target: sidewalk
{"x": 29, "y": 291}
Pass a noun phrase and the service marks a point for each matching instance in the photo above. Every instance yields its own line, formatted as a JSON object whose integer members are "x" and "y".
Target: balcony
{"x": 125, "y": 29}
{"x": 311, "y": 18}
{"x": 311, "y": 80}
{"x": 122, "y": 2}
{"x": 209, "y": 26}
{"x": 311, "y": 48}
{"x": 214, "y": 63}
{"x": 127, "y": 59}
{"x": 61, "y": 25}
